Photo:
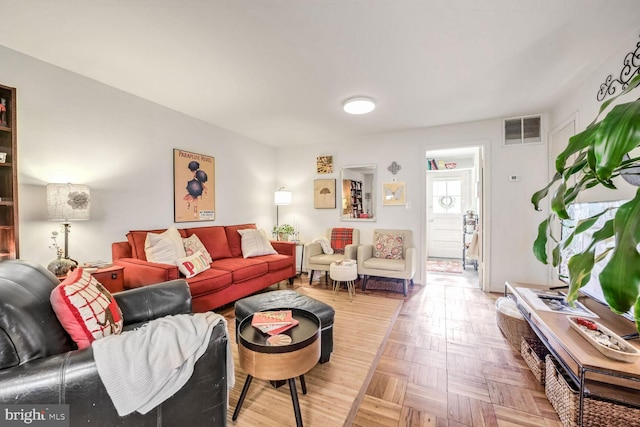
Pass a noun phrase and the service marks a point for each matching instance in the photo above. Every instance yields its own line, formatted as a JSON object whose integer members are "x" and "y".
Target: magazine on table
{"x": 273, "y": 322}
{"x": 549, "y": 300}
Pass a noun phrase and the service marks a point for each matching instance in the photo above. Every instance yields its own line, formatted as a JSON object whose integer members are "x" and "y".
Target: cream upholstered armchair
{"x": 391, "y": 255}
{"x": 315, "y": 258}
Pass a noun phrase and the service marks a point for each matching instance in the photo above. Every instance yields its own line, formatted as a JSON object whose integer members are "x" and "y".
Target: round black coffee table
{"x": 279, "y": 362}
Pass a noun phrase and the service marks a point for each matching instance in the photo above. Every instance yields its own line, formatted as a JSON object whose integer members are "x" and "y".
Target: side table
{"x": 345, "y": 272}
{"x": 111, "y": 278}
{"x": 280, "y": 362}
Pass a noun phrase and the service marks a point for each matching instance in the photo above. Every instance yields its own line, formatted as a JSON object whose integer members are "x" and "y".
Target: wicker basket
{"x": 597, "y": 411}
{"x": 511, "y": 322}
{"x": 533, "y": 352}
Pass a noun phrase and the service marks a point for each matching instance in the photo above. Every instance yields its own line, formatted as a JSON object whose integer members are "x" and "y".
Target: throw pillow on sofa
{"x": 85, "y": 308}
{"x": 164, "y": 248}
{"x": 387, "y": 245}
{"x": 192, "y": 245}
{"x": 255, "y": 243}
{"x": 193, "y": 265}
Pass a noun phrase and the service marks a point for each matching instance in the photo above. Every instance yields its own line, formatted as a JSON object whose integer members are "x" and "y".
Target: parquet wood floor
{"x": 446, "y": 364}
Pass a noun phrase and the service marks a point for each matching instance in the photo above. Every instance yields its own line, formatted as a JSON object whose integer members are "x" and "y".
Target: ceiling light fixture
{"x": 359, "y": 105}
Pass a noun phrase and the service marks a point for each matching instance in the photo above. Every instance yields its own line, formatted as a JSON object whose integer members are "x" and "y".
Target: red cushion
{"x": 242, "y": 268}
{"x": 209, "y": 281}
{"x": 85, "y": 308}
{"x": 234, "y": 238}
{"x": 277, "y": 262}
{"x": 214, "y": 239}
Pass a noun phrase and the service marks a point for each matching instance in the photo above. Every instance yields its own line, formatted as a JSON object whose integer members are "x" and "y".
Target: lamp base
{"x": 61, "y": 266}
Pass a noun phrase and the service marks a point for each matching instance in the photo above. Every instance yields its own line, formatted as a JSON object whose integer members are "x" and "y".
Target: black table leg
{"x": 245, "y": 389}
{"x": 303, "y": 384}
{"x": 296, "y": 404}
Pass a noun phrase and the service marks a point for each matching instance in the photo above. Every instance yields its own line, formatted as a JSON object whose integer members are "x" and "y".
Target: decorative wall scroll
{"x": 630, "y": 68}
{"x": 193, "y": 187}
{"x": 324, "y": 194}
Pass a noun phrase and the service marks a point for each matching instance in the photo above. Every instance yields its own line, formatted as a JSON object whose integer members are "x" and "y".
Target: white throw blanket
{"x": 142, "y": 368}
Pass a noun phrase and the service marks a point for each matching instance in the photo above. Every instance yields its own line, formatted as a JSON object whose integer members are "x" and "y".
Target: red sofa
{"x": 230, "y": 277}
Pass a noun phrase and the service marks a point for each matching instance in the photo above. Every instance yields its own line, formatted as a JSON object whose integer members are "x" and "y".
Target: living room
{"x": 75, "y": 129}
{"x": 74, "y": 126}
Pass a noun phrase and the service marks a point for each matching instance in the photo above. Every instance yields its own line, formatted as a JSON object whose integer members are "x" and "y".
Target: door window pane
{"x": 447, "y": 196}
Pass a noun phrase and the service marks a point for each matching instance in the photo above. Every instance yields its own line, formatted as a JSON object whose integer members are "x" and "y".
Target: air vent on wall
{"x": 522, "y": 130}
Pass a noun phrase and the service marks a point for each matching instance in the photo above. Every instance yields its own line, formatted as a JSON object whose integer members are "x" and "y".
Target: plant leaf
{"x": 580, "y": 266}
{"x": 577, "y": 143}
{"x": 620, "y": 278}
{"x": 541, "y": 194}
{"x": 618, "y": 133}
{"x": 540, "y": 244}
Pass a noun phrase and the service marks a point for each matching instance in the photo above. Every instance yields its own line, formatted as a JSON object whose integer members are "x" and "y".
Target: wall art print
{"x": 193, "y": 187}
{"x": 393, "y": 194}
{"x": 324, "y": 194}
{"x": 324, "y": 164}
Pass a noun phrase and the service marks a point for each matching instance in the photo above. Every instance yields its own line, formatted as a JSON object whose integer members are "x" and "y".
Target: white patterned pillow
{"x": 164, "y": 248}
{"x": 192, "y": 244}
{"x": 193, "y": 265}
{"x": 387, "y": 245}
{"x": 255, "y": 243}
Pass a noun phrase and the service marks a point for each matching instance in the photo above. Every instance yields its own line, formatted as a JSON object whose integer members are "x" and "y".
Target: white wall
{"x": 73, "y": 129}
{"x": 582, "y": 100}
{"x": 510, "y": 216}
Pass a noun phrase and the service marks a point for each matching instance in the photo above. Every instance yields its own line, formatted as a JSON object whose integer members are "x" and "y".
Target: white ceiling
{"x": 277, "y": 71}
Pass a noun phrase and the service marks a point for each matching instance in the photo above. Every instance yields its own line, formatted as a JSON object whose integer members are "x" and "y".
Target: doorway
{"x": 453, "y": 212}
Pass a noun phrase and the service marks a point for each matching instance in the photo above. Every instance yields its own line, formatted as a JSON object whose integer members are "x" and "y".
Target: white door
{"x": 448, "y": 195}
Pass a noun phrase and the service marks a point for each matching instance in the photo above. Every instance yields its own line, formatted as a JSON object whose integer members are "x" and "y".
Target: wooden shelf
{"x": 9, "y": 174}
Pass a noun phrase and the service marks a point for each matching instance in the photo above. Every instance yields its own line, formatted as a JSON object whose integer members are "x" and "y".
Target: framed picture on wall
{"x": 324, "y": 164}
{"x": 193, "y": 187}
{"x": 324, "y": 194}
{"x": 393, "y": 194}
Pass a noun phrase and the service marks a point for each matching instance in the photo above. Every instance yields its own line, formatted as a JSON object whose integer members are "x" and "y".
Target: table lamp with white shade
{"x": 66, "y": 203}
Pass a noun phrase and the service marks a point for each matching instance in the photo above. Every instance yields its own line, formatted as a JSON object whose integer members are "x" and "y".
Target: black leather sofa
{"x": 40, "y": 365}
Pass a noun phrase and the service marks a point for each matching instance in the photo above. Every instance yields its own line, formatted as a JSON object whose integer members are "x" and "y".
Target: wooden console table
{"x": 592, "y": 373}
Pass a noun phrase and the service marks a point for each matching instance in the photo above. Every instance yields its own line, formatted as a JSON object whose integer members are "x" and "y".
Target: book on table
{"x": 273, "y": 322}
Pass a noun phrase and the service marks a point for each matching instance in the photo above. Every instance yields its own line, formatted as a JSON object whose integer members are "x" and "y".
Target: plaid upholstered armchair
{"x": 342, "y": 242}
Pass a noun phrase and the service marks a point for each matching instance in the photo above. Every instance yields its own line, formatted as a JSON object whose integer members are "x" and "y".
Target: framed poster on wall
{"x": 193, "y": 187}
{"x": 324, "y": 194}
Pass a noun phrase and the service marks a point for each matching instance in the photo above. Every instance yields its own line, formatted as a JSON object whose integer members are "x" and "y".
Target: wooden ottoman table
{"x": 285, "y": 300}
{"x": 279, "y": 362}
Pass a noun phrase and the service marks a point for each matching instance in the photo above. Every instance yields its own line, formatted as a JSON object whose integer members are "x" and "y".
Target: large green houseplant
{"x": 592, "y": 158}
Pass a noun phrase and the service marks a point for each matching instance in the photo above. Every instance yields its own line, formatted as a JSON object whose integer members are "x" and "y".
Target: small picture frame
{"x": 324, "y": 194}
{"x": 324, "y": 164}
{"x": 394, "y": 194}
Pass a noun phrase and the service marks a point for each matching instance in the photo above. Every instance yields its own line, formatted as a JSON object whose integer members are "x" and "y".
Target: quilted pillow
{"x": 255, "y": 243}
{"x": 192, "y": 244}
{"x": 164, "y": 248}
{"x": 387, "y": 245}
{"x": 194, "y": 264}
{"x": 85, "y": 308}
